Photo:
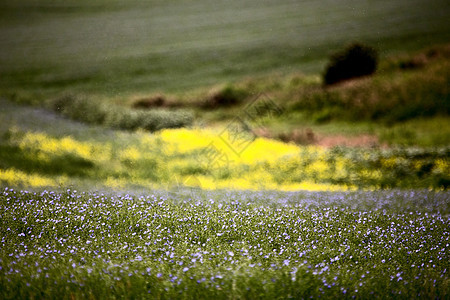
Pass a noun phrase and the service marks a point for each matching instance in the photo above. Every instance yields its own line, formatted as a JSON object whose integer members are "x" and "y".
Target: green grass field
{"x": 115, "y": 49}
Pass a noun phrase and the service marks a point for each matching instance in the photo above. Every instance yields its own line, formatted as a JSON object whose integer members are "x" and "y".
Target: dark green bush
{"x": 159, "y": 119}
{"x": 226, "y": 96}
{"x": 354, "y": 61}
{"x": 113, "y": 116}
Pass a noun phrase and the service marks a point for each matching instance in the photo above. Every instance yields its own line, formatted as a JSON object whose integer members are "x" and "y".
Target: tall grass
{"x": 98, "y": 113}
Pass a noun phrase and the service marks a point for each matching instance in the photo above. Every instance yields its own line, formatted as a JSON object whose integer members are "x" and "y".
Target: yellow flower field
{"x": 208, "y": 159}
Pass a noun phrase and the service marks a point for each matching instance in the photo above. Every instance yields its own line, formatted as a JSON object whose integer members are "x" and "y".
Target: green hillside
{"x": 114, "y": 48}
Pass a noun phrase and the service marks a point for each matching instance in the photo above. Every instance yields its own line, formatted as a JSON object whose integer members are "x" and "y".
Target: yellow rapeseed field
{"x": 202, "y": 158}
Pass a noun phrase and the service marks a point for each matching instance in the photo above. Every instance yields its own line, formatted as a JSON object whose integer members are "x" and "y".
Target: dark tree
{"x": 354, "y": 61}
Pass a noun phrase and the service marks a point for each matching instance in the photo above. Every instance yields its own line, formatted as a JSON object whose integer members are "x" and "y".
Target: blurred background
{"x": 83, "y": 83}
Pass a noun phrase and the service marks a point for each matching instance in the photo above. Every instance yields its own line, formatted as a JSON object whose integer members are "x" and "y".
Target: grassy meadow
{"x": 191, "y": 150}
{"x": 107, "y": 48}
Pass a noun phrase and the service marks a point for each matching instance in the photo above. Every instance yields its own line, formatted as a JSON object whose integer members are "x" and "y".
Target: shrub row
{"x": 93, "y": 112}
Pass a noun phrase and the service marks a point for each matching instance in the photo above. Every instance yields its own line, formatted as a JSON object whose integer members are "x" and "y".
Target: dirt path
{"x": 364, "y": 141}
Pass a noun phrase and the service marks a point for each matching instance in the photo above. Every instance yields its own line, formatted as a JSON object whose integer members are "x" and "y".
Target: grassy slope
{"x": 397, "y": 105}
{"x": 113, "y": 49}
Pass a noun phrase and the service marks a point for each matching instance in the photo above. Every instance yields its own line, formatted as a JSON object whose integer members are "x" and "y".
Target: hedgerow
{"x": 92, "y": 112}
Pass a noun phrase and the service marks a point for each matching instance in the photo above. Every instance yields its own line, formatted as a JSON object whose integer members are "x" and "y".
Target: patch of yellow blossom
{"x": 262, "y": 149}
{"x": 246, "y": 162}
{"x": 442, "y": 166}
{"x": 182, "y": 141}
{"x": 393, "y": 162}
{"x": 245, "y": 183}
{"x": 319, "y": 168}
{"x": 130, "y": 154}
{"x": 115, "y": 183}
{"x": 15, "y": 177}
{"x": 66, "y": 145}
